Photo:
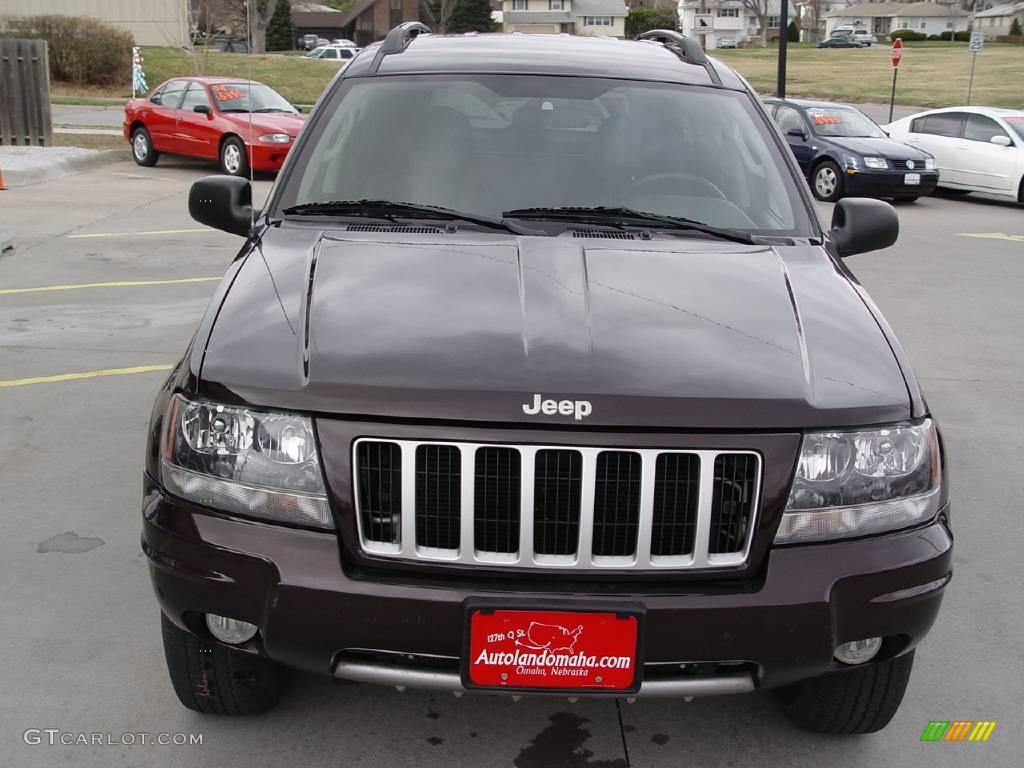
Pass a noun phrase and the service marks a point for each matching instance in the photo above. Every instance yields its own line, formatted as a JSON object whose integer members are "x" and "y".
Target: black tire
{"x": 827, "y": 181}
{"x": 855, "y": 700}
{"x": 214, "y": 679}
{"x": 901, "y": 200}
{"x": 142, "y": 148}
{"x": 233, "y": 158}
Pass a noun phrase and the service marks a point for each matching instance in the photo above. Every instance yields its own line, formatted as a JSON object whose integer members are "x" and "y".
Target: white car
{"x": 864, "y": 36}
{"x": 336, "y": 53}
{"x": 976, "y": 149}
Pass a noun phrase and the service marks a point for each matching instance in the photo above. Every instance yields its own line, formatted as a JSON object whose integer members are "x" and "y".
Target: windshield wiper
{"x": 273, "y": 109}
{"x": 386, "y": 209}
{"x": 619, "y": 216}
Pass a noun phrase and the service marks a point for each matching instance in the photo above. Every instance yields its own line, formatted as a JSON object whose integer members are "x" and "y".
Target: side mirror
{"x": 297, "y": 108}
{"x": 1002, "y": 141}
{"x": 800, "y": 133}
{"x": 860, "y": 225}
{"x": 203, "y": 109}
{"x": 222, "y": 202}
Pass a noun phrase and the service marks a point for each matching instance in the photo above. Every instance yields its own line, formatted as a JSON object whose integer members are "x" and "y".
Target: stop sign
{"x": 897, "y": 52}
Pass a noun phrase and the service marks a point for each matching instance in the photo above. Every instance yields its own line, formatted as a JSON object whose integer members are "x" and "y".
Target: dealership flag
{"x": 138, "y": 76}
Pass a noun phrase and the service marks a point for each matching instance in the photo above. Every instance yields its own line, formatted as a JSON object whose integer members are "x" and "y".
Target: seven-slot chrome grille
{"x": 555, "y": 506}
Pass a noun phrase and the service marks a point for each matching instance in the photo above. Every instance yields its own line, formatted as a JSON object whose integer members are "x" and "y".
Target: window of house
{"x": 396, "y": 5}
{"x": 880, "y": 26}
{"x": 728, "y": 13}
{"x": 949, "y": 25}
{"x": 773, "y": 22}
{"x": 519, "y": 5}
{"x": 597, "y": 21}
{"x": 555, "y": 5}
{"x": 923, "y": 24}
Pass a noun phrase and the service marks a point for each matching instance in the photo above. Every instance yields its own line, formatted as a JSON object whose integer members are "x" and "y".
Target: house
{"x": 150, "y": 22}
{"x": 575, "y": 17}
{"x": 367, "y": 21}
{"x": 883, "y": 18}
{"x": 998, "y": 20}
{"x": 711, "y": 20}
{"x": 316, "y": 19}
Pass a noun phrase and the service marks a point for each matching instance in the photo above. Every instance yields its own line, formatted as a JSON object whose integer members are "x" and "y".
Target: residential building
{"x": 575, "y": 17}
{"x": 998, "y": 20}
{"x": 883, "y": 18}
{"x": 367, "y": 21}
{"x": 711, "y": 20}
{"x": 150, "y": 22}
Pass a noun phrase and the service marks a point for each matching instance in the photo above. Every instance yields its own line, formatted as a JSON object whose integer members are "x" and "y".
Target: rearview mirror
{"x": 203, "y": 109}
{"x": 800, "y": 133}
{"x": 1002, "y": 141}
{"x": 222, "y": 202}
{"x": 860, "y": 225}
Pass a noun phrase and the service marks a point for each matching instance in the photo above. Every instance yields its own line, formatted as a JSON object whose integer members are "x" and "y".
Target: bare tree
{"x": 760, "y": 10}
{"x": 438, "y": 13}
{"x": 810, "y": 18}
{"x": 258, "y": 13}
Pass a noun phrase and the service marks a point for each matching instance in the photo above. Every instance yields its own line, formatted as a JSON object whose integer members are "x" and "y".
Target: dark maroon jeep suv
{"x": 538, "y": 374}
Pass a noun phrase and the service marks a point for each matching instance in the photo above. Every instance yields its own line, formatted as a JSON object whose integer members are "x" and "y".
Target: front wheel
{"x": 213, "y": 679}
{"x": 233, "y": 160}
{"x": 142, "y": 148}
{"x": 827, "y": 182}
{"x": 855, "y": 700}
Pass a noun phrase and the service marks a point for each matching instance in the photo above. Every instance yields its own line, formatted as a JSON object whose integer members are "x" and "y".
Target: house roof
{"x": 355, "y": 11}
{"x": 867, "y": 10}
{"x": 599, "y": 8}
{"x": 1008, "y": 9}
{"x": 317, "y": 19}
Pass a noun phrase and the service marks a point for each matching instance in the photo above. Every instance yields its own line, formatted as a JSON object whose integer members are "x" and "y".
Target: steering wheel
{"x": 698, "y": 184}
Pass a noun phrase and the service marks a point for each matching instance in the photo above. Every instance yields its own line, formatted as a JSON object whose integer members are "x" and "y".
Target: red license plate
{"x": 552, "y": 649}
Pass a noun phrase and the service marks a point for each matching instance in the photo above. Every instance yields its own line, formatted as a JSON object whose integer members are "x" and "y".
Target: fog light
{"x": 228, "y": 630}
{"x": 858, "y": 651}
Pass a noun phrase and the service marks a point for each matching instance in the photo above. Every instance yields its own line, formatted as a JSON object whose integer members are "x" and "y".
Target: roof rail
{"x": 397, "y": 40}
{"x": 686, "y": 48}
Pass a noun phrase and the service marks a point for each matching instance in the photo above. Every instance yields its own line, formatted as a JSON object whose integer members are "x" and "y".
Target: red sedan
{"x": 219, "y": 118}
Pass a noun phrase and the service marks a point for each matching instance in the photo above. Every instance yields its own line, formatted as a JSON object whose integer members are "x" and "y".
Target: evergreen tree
{"x": 280, "y": 32}
{"x": 470, "y": 16}
{"x": 1015, "y": 29}
{"x": 793, "y": 32}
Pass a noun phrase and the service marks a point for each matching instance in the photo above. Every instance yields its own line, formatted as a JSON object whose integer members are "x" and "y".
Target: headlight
{"x": 929, "y": 163}
{"x": 851, "y": 162}
{"x": 275, "y": 138}
{"x": 254, "y": 463}
{"x": 875, "y": 162}
{"x": 857, "y": 483}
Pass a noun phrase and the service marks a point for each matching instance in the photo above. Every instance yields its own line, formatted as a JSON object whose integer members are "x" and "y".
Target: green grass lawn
{"x": 931, "y": 74}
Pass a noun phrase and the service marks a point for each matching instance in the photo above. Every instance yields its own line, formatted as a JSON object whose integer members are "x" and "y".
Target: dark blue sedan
{"x": 843, "y": 153}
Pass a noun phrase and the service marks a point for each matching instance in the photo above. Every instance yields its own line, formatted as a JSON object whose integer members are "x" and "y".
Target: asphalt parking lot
{"x": 126, "y": 275}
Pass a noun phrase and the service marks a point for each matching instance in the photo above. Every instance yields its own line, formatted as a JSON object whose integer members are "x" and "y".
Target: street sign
{"x": 703, "y": 22}
{"x": 977, "y": 41}
{"x": 897, "y": 52}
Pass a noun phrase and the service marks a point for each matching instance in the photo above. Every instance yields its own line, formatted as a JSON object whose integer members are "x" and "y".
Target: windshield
{"x": 1016, "y": 124}
{"x": 235, "y": 97}
{"x": 488, "y": 144}
{"x": 843, "y": 122}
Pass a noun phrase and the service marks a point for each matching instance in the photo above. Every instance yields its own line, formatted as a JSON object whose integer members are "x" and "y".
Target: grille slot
{"x": 607, "y": 234}
{"x": 379, "y": 472}
{"x": 555, "y": 507}
{"x": 409, "y": 229}
{"x": 558, "y": 478}
{"x": 438, "y": 496}
{"x": 496, "y": 500}
{"x": 732, "y": 502}
{"x": 676, "y": 485}
{"x": 616, "y": 503}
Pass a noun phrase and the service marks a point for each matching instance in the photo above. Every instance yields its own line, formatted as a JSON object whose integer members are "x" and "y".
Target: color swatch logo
{"x": 958, "y": 730}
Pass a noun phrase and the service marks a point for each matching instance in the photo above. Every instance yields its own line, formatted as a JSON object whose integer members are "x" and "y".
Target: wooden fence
{"x": 24, "y": 93}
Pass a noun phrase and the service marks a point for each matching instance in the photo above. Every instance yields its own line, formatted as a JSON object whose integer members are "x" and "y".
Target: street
{"x": 81, "y": 626}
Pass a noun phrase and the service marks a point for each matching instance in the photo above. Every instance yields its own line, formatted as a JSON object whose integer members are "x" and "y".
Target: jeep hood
{"x": 675, "y": 333}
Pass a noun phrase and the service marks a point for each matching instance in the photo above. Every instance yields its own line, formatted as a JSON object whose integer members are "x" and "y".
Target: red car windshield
{"x": 236, "y": 97}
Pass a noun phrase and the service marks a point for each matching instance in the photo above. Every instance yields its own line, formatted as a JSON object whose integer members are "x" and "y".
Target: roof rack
{"x": 686, "y": 48}
{"x": 397, "y": 40}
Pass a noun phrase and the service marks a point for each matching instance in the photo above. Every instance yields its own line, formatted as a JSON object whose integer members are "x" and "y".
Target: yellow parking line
{"x": 131, "y": 234}
{"x": 83, "y": 375}
{"x": 118, "y": 284}
{"x": 994, "y": 236}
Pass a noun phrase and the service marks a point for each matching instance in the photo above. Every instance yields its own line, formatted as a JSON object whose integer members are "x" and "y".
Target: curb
{"x": 64, "y": 167}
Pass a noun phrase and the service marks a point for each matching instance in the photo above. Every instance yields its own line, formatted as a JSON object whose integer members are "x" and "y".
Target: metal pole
{"x": 780, "y": 86}
{"x": 892, "y": 96}
{"x": 970, "y": 83}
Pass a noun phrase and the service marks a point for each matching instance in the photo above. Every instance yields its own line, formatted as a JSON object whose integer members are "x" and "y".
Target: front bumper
{"x": 268, "y": 157}
{"x": 318, "y": 614}
{"x": 889, "y": 183}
